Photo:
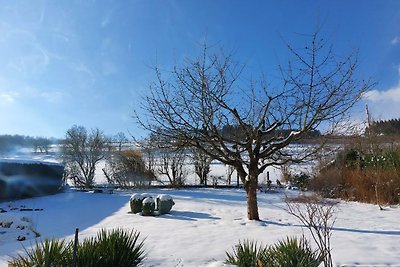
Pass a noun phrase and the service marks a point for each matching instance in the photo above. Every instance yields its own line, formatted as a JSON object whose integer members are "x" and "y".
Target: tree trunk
{"x": 251, "y": 192}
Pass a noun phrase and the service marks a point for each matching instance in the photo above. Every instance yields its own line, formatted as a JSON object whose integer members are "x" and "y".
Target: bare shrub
{"x": 318, "y": 216}
{"x": 127, "y": 168}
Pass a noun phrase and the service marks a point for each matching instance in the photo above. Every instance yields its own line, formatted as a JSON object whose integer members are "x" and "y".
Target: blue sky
{"x": 89, "y": 62}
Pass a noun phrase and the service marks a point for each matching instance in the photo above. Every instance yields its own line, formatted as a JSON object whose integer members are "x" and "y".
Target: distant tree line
{"x": 384, "y": 127}
{"x": 40, "y": 144}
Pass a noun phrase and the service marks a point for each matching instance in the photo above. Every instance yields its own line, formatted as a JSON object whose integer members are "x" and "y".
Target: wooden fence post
{"x": 75, "y": 252}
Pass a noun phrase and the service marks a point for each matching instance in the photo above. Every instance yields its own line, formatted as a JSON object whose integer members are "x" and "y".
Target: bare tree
{"x": 81, "y": 152}
{"x": 41, "y": 144}
{"x": 149, "y": 149}
{"x": 172, "y": 165}
{"x": 318, "y": 216}
{"x": 229, "y": 172}
{"x": 202, "y": 164}
{"x": 120, "y": 139}
{"x": 194, "y": 103}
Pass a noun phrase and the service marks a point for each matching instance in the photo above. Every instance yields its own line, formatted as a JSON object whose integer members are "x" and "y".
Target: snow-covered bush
{"x": 145, "y": 195}
{"x": 164, "y": 203}
{"x": 148, "y": 206}
{"x": 135, "y": 203}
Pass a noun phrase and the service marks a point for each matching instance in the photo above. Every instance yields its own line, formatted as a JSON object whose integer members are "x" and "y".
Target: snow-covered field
{"x": 204, "y": 224}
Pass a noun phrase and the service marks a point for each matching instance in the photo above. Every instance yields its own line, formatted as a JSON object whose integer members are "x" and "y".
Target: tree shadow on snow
{"x": 188, "y": 216}
{"x": 363, "y": 231}
{"x": 339, "y": 229}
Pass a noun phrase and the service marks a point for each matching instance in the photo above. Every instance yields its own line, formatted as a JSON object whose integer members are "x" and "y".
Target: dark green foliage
{"x": 115, "y": 248}
{"x": 300, "y": 180}
{"x": 349, "y": 158}
{"x": 385, "y": 158}
{"x": 49, "y": 253}
{"x": 292, "y": 252}
{"x": 246, "y": 254}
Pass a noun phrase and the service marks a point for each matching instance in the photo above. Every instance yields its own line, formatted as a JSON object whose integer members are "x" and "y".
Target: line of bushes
{"x": 372, "y": 176}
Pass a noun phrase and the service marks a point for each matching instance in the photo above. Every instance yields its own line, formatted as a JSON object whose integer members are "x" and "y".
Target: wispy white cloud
{"x": 7, "y": 98}
{"x": 384, "y": 104}
{"x": 395, "y": 40}
{"x": 391, "y": 95}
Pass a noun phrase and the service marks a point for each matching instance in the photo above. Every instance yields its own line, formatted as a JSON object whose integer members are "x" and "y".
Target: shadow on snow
{"x": 188, "y": 216}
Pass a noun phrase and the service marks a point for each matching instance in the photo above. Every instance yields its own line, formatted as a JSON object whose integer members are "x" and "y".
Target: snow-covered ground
{"x": 203, "y": 224}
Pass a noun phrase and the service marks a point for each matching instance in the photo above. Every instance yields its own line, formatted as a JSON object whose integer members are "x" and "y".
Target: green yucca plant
{"x": 292, "y": 252}
{"x": 246, "y": 254}
{"x": 88, "y": 254}
{"x": 49, "y": 253}
{"x": 116, "y": 247}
